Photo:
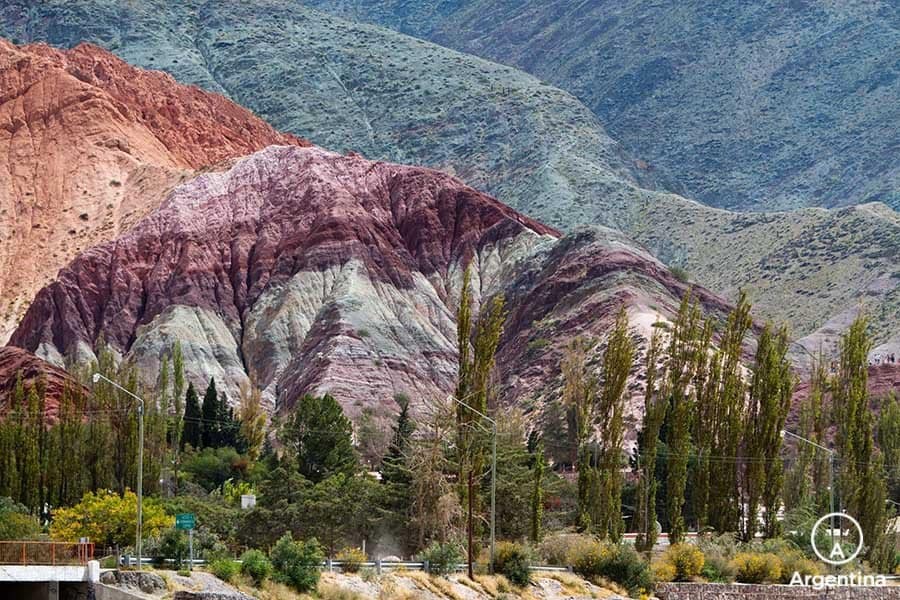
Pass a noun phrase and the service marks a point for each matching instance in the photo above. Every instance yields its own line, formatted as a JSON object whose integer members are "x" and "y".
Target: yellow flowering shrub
{"x": 108, "y": 519}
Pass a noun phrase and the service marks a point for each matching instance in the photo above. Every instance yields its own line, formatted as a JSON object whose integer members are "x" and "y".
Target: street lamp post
{"x": 830, "y": 452}
{"x": 493, "y": 472}
{"x": 140, "y": 466}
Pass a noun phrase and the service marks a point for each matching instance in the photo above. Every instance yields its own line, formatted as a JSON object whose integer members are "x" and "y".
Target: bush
{"x": 718, "y": 552}
{"x": 756, "y": 567}
{"x": 618, "y": 563}
{"x": 297, "y": 563}
{"x": 663, "y": 571}
{"x": 513, "y": 561}
{"x": 351, "y": 559}
{"x": 686, "y": 559}
{"x": 224, "y": 568}
{"x": 15, "y": 522}
{"x": 442, "y": 558}
{"x": 558, "y": 550}
{"x": 173, "y": 545}
{"x": 256, "y": 566}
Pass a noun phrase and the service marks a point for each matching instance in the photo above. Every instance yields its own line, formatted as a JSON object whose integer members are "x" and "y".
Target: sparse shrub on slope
{"x": 513, "y": 561}
{"x": 256, "y": 566}
{"x": 224, "y": 568}
{"x": 442, "y": 558}
{"x": 297, "y": 563}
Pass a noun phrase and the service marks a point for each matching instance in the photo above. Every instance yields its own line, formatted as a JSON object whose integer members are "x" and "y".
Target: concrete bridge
{"x": 31, "y": 570}
{"x": 48, "y": 582}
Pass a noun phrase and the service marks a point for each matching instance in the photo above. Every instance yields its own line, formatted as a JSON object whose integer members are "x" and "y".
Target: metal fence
{"x": 45, "y": 553}
{"x": 379, "y": 566}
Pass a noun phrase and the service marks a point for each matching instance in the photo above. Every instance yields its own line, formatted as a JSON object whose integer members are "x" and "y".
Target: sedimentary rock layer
{"x": 88, "y": 146}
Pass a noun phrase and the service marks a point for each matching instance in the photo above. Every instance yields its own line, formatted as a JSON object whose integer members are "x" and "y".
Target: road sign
{"x": 184, "y": 521}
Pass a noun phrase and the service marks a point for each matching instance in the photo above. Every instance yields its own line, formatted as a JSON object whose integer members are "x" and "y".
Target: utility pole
{"x": 140, "y": 463}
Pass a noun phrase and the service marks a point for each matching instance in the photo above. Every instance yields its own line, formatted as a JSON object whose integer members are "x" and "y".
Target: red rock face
{"x": 15, "y": 363}
{"x": 306, "y": 269}
{"x": 88, "y": 146}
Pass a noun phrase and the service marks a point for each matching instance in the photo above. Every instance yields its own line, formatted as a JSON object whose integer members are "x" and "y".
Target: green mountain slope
{"x": 747, "y": 105}
{"x": 349, "y": 86}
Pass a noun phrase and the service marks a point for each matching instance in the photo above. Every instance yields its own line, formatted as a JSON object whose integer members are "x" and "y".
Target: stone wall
{"x": 734, "y": 591}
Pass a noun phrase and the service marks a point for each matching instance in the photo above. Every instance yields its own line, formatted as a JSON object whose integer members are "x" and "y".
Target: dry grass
{"x": 436, "y": 585}
{"x": 494, "y": 585}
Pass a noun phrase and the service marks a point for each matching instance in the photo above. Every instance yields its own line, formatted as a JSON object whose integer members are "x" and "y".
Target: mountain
{"x": 354, "y": 86}
{"x": 309, "y": 271}
{"x": 348, "y": 86}
{"x": 744, "y": 105}
{"x": 89, "y": 145}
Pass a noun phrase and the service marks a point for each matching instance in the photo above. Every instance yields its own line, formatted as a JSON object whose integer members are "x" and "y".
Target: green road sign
{"x": 184, "y": 521}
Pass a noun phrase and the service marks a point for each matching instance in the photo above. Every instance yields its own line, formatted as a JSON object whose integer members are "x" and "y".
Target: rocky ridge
{"x": 90, "y": 145}
{"x": 308, "y": 271}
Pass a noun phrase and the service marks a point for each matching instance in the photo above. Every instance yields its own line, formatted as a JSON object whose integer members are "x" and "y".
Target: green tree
{"x": 193, "y": 419}
{"x": 889, "y": 443}
{"x": 725, "y": 428}
{"x": 319, "y": 437}
{"x": 771, "y": 388}
{"x": 211, "y": 412}
{"x": 682, "y": 355}
{"x": 579, "y": 390}
{"x": 617, "y": 362}
{"x": 655, "y": 408}
{"x": 537, "y": 495}
{"x": 475, "y": 367}
{"x": 396, "y": 474}
{"x": 252, "y": 420}
{"x": 15, "y": 521}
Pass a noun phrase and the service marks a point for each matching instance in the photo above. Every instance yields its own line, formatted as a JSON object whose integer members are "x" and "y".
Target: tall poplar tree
{"x": 655, "y": 408}
{"x": 579, "y": 391}
{"x": 682, "y": 357}
{"x": 617, "y": 362}
{"x": 771, "y": 388}
{"x": 476, "y": 362}
{"x": 726, "y": 428}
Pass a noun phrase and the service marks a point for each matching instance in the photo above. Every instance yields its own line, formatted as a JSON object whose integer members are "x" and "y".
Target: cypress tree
{"x": 192, "y": 433}
{"x": 210, "y": 427}
{"x": 396, "y": 474}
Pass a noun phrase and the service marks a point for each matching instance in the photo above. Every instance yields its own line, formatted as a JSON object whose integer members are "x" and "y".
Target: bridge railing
{"x": 45, "y": 553}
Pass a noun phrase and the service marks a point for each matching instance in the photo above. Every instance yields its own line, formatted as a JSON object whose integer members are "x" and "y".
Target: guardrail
{"x": 46, "y": 553}
{"x": 379, "y": 566}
